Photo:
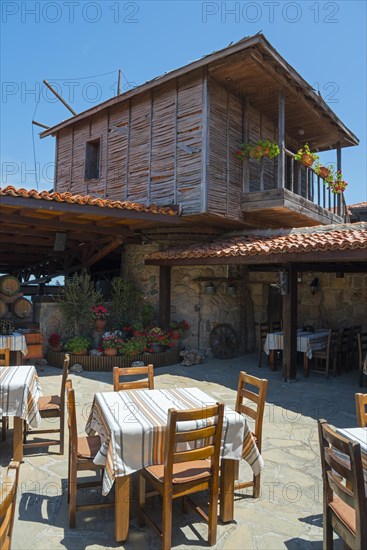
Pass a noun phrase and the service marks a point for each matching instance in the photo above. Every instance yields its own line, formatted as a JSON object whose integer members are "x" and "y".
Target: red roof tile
{"x": 85, "y": 199}
{"x": 251, "y": 243}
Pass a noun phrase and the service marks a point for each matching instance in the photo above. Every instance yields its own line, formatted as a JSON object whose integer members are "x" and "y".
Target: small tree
{"x": 77, "y": 298}
{"x": 126, "y": 302}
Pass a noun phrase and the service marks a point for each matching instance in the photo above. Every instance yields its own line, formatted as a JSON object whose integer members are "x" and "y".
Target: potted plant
{"x": 178, "y": 329}
{"x": 305, "y": 156}
{"x": 78, "y": 345}
{"x": 325, "y": 172}
{"x": 263, "y": 148}
{"x": 55, "y": 342}
{"x": 338, "y": 185}
{"x": 135, "y": 346}
{"x": 100, "y": 314}
{"x": 158, "y": 340}
{"x": 111, "y": 342}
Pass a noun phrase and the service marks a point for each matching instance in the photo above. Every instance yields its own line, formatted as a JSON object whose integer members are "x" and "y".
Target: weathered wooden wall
{"x": 153, "y": 148}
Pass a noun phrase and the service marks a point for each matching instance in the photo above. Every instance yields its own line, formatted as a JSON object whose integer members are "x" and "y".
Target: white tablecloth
{"x": 15, "y": 342}
{"x": 19, "y": 393}
{"x": 132, "y": 426}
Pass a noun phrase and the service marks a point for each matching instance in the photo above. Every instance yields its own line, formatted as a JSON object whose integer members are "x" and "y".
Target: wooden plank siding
{"x": 150, "y": 148}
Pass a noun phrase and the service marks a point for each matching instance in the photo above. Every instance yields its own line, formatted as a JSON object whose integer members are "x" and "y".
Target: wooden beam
{"x": 164, "y": 296}
{"x": 290, "y": 326}
{"x": 13, "y": 219}
{"x": 103, "y": 252}
{"x": 281, "y": 141}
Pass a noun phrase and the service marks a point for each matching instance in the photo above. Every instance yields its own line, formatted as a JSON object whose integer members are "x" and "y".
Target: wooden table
{"x": 19, "y": 393}
{"x": 307, "y": 343}
{"x": 132, "y": 427}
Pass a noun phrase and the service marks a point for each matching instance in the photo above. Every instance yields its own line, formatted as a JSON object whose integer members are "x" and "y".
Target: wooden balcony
{"x": 303, "y": 201}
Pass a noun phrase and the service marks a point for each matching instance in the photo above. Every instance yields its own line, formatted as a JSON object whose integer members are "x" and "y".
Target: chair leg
{"x": 259, "y": 358}
{"x": 213, "y": 516}
{"x": 4, "y": 427}
{"x": 141, "y": 499}
{"x": 328, "y": 530}
{"x": 72, "y": 493}
{"x": 167, "y": 522}
{"x": 256, "y": 491}
{"x": 69, "y": 481}
{"x": 62, "y": 434}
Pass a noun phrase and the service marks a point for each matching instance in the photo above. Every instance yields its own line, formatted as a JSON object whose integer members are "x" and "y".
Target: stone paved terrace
{"x": 289, "y": 512}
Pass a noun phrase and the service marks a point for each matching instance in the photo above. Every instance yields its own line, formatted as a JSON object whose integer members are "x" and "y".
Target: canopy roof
{"x": 253, "y": 68}
{"x": 332, "y": 243}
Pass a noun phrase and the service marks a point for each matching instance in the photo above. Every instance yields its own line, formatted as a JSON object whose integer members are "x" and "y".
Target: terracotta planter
{"x": 100, "y": 324}
{"x": 110, "y": 351}
{"x": 324, "y": 172}
{"x": 83, "y": 352}
{"x": 307, "y": 160}
{"x": 175, "y": 334}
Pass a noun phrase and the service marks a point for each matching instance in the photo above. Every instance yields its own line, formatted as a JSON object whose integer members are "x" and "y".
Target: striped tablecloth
{"x": 307, "y": 342}
{"x": 19, "y": 393}
{"x": 15, "y": 342}
{"x": 132, "y": 427}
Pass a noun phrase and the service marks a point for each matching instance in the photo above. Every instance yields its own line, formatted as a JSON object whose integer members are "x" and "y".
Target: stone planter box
{"x": 106, "y": 364}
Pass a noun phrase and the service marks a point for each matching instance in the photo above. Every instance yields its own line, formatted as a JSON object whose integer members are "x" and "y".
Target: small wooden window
{"x": 92, "y": 159}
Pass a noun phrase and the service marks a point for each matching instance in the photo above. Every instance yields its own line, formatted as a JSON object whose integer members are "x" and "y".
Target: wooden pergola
{"x": 346, "y": 257}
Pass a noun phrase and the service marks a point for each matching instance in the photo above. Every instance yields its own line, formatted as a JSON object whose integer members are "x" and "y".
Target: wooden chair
{"x": 8, "y": 499}
{"x": 186, "y": 471}
{"x": 257, "y": 398}
{"x": 328, "y": 354}
{"x": 133, "y": 371}
{"x": 51, "y": 406}
{"x": 276, "y": 326}
{"x": 344, "y": 502}
{"x": 346, "y": 347}
{"x": 4, "y": 362}
{"x": 262, "y": 330}
{"x": 361, "y": 405}
{"x": 362, "y": 354}
{"x": 82, "y": 450}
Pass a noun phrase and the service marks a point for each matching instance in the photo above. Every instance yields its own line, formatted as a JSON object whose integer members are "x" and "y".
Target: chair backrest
{"x": 133, "y": 371}
{"x": 336, "y": 469}
{"x": 4, "y": 357}
{"x": 362, "y": 347}
{"x": 72, "y": 425}
{"x": 252, "y": 403}
{"x": 276, "y": 326}
{"x": 65, "y": 371}
{"x": 204, "y": 430}
{"x": 361, "y": 404}
{"x": 262, "y": 331}
{"x": 8, "y": 498}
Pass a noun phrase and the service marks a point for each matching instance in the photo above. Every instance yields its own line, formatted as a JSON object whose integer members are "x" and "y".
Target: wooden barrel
{"x": 22, "y": 307}
{"x": 10, "y": 299}
{"x": 3, "y": 308}
{"x": 9, "y": 285}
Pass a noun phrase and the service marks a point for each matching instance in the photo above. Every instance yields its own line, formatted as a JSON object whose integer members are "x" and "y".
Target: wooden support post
{"x": 290, "y": 326}
{"x": 245, "y": 125}
{"x": 339, "y": 167}
{"x": 281, "y": 141}
{"x": 164, "y": 295}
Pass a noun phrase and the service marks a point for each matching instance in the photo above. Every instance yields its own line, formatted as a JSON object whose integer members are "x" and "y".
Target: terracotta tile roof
{"x": 268, "y": 242}
{"x": 85, "y": 199}
{"x": 357, "y": 205}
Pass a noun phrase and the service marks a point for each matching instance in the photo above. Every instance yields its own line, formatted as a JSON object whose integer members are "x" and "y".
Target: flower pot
{"x": 55, "y": 348}
{"x": 100, "y": 324}
{"x": 175, "y": 334}
{"x": 110, "y": 351}
{"x": 307, "y": 160}
{"x": 156, "y": 348}
{"x": 324, "y": 172}
{"x": 83, "y": 352}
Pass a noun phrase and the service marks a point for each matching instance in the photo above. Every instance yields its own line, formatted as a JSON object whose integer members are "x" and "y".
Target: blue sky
{"x": 75, "y": 43}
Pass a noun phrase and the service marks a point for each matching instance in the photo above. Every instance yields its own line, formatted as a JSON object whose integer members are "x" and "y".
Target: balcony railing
{"x": 306, "y": 183}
